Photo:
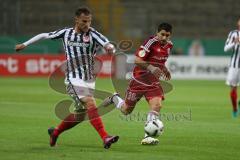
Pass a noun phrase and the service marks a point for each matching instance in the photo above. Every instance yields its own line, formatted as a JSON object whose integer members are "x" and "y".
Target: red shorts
{"x": 136, "y": 90}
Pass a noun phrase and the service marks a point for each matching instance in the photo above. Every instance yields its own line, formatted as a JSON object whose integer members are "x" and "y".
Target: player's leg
{"x": 96, "y": 121}
{"x": 87, "y": 100}
{"x": 131, "y": 98}
{"x": 119, "y": 103}
{"x": 234, "y": 100}
{"x": 72, "y": 119}
{"x": 94, "y": 118}
{"x": 69, "y": 122}
{"x": 84, "y": 101}
{"x": 155, "y": 106}
{"x": 233, "y": 81}
{"x": 154, "y": 98}
{"x": 127, "y": 105}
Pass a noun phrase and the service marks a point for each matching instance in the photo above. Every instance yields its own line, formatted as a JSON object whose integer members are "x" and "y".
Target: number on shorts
{"x": 131, "y": 96}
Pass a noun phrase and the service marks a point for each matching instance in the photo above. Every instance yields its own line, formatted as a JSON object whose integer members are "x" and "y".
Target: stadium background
{"x": 209, "y": 21}
{"x": 27, "y": 102}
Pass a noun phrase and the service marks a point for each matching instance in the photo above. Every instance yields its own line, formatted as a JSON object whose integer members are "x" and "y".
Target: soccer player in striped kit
{"x": 233, "y": 77}
{"x": 80, "y": 44}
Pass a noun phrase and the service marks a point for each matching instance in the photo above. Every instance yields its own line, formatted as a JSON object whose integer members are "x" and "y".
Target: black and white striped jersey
{"x": 230, "y": 45}
{"x": 80, "y": 49}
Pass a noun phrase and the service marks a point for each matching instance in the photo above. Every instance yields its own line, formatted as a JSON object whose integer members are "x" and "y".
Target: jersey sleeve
{"x": 42, "y": 36}
{"x": 145, "y": 49}
{"x": 141, "y": 53}
{"x": 57, "y": 34}
{"x": 99, "y": 38}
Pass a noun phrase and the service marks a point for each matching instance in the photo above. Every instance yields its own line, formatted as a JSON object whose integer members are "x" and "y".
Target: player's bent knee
{"x": 89, "y": 102}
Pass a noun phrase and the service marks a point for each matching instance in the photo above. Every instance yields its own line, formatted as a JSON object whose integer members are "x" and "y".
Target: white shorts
{"x": 80, "y": 88}
{"x": 233, "y": 77}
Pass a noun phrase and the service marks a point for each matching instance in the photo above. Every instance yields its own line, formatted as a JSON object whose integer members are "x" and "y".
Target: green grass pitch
{"x": 206, "y": 131}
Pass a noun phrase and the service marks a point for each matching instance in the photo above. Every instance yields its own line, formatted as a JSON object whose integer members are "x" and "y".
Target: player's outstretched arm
{"x": 34, "y": 39}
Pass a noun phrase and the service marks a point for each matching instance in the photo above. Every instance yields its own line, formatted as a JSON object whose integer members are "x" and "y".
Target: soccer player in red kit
{"x": 150, "y": 66}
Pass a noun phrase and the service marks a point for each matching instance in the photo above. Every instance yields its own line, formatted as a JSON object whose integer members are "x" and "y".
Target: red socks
{"x": 234, "y": 98}
{"x": 96, "y": 122}
{"x": 72, "y": 121}
{"x": 69, "y": 122}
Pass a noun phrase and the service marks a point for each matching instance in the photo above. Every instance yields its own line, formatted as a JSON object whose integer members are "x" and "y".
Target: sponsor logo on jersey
{"x": 86, "y": 39}
{"x": 77, "y": 44}
{"x": 160, "y": 58}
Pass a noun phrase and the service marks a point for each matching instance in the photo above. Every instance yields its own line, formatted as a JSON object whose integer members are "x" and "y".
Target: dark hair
{"x": 165, "y": 26}
{"x": 83, "y": 10}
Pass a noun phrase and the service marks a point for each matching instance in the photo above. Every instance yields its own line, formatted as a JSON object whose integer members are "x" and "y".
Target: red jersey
{"x": 156, "y": 54}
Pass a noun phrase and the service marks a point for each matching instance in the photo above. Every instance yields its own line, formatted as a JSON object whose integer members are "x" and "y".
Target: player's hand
{"x": 160, "y": 73}
{"x": 166, "y": 75}
{"x": 19, "y": 47}
{"x": 155, "y": 71}
{"x": 110, "y": 49}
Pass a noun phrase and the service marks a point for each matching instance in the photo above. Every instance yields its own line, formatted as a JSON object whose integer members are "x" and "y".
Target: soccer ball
{"x": 154, "y": 128}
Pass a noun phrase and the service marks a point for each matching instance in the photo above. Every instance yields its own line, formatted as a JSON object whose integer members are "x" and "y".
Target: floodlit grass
{"x": 197, "y": 118}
